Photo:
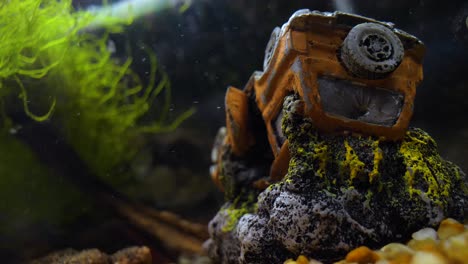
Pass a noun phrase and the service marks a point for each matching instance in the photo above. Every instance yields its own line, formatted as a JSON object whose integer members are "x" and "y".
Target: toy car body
{"x": 353, "y": 74}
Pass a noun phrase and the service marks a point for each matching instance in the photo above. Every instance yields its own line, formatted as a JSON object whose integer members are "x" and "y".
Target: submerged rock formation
{"x": 340, "y": 192}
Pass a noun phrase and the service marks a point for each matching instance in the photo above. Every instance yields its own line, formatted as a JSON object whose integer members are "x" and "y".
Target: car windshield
{"x": 358, "y": 102}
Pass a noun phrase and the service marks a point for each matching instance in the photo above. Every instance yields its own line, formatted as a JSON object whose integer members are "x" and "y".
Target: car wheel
{"x": 371, "y": 51}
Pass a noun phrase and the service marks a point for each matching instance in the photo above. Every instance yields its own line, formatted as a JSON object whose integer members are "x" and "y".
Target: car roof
{"x": 304, "y": 19}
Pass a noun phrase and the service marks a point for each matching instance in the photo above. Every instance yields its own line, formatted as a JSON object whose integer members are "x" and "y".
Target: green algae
{"x": 352, "y": 164}
{"x": 423, "y": 164}
{"x": 417, "y": 153}
{"x": 237, "y": 209}
{"x": 321, "y": 153}
{"x": 378, "y": 156}
{"x": 344, "y": 162}
{"x": 66, "y": 75}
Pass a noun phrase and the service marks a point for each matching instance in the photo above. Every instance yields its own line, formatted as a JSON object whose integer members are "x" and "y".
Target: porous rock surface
{"x": 340, "y": 192}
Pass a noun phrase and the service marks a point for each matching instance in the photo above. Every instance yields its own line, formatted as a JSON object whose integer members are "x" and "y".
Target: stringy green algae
{"x": 45, "y": 49}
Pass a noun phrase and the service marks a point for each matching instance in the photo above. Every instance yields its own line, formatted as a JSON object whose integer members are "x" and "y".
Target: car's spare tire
{"x": 371, "y": 51}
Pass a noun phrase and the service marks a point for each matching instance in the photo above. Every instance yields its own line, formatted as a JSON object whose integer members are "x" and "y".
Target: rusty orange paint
{"x": 279, "y": 168}
{"x": 237, "y": 111}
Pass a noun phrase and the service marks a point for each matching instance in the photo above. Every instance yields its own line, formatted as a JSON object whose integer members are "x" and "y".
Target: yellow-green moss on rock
{"x": 424, "y": 167}
{"x": 236, "y": 210}
{"x": 341, "y": 191}
{"x": 373, "y": 164}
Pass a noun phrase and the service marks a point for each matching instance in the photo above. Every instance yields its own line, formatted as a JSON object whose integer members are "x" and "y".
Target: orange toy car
{"x": 353, "y": 74}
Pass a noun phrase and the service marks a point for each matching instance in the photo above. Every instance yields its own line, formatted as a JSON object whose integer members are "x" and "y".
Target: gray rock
{"x": 340, "y": 192}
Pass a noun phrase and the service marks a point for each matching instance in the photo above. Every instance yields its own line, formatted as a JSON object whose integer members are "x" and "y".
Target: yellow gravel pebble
{"x": 447, "y": 245}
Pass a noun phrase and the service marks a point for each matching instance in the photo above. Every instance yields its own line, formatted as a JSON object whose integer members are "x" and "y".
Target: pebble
{"x": 447, "y": 245}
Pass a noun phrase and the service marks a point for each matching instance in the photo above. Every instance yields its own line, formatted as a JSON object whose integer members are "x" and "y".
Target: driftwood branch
{"x": 177, "y": 235}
